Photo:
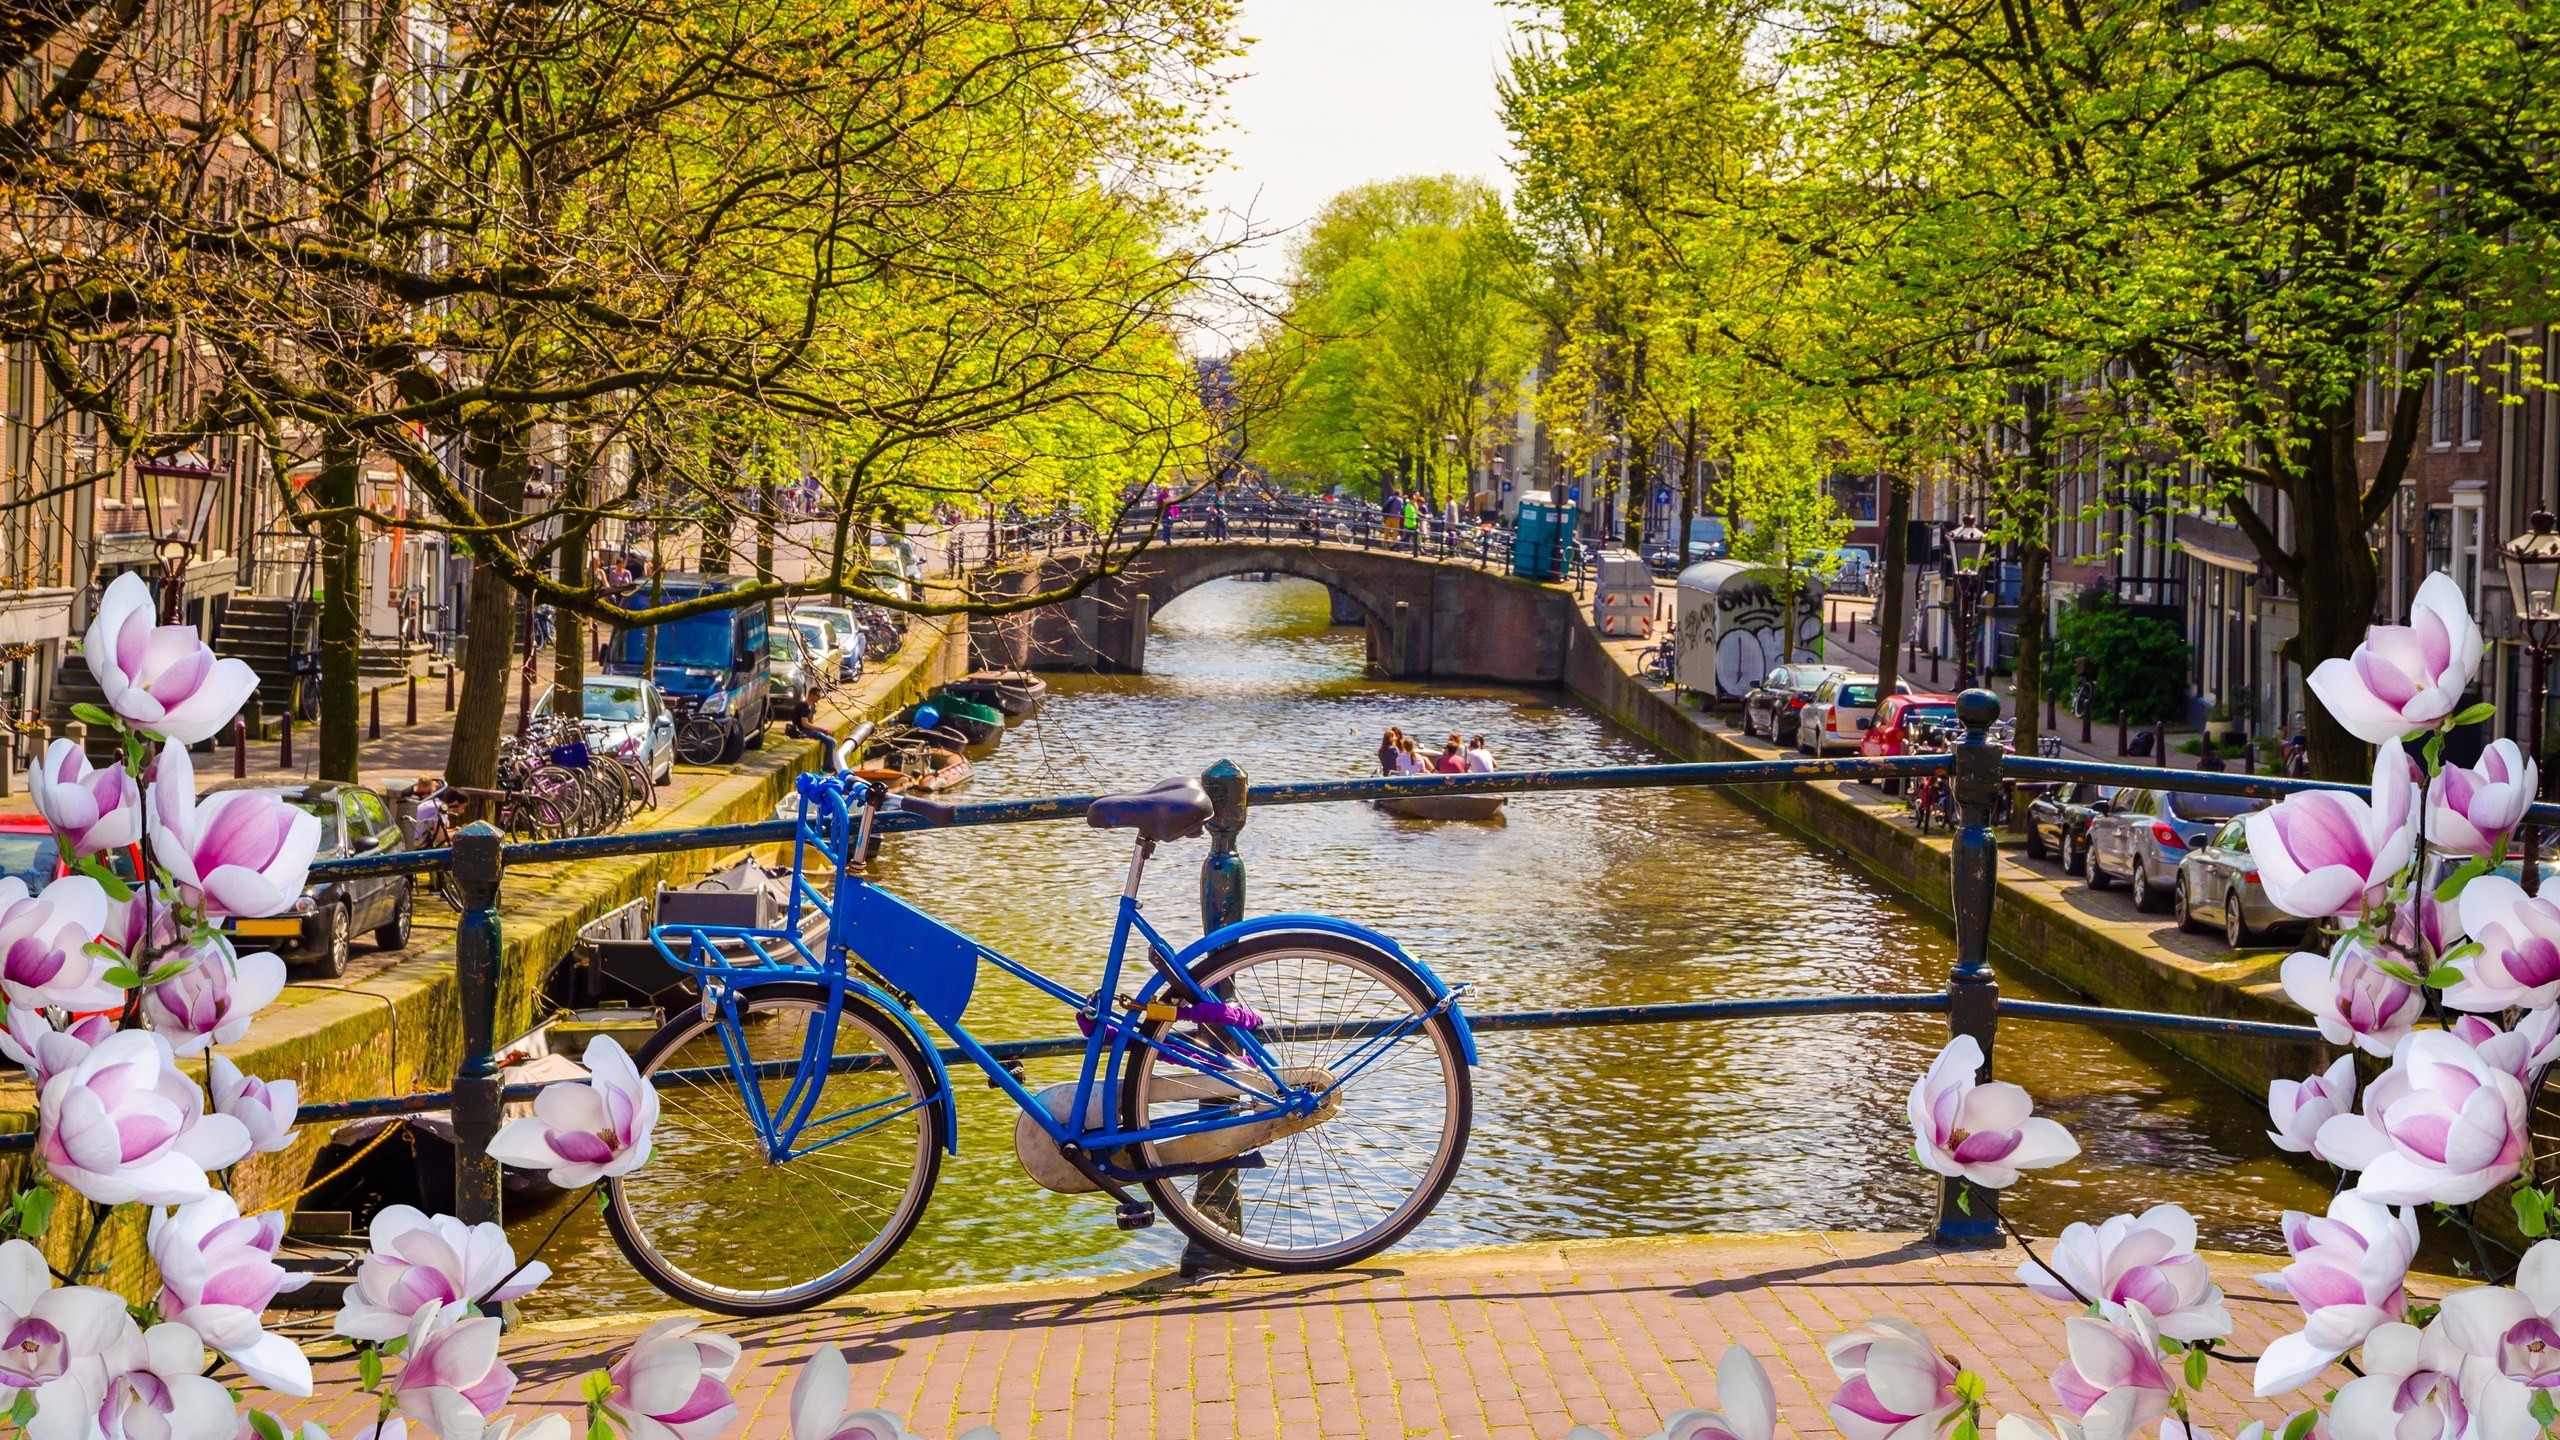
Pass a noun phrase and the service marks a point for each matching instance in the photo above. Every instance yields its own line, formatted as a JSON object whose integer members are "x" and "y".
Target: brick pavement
{"x": 1509, "y": 1343}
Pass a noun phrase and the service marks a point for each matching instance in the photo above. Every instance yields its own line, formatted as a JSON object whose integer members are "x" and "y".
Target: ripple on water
{"x": 1588, "y": 898}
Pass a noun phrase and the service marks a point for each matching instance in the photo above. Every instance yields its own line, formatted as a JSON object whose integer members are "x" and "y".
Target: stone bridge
{"x": 1424, "y": 617}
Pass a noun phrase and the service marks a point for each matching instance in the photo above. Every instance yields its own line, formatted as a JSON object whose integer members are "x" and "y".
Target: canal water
{"x": 1584, "y": 899}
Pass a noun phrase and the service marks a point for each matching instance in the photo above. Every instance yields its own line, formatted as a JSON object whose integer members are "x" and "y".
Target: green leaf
{"x": 1969, "y": 1387}
{"x": 369, "y": 1368}
{"x": 2533, "y": 1210}
{"x": 2397, "y": 971}
{"x": 1964, "y": 1198}
{"x": 597, "y": 1385}
{"x": 92, "y": 714}
{"x": 23, "y": 1409}
{"x": 35, "y": 1213}
{"x": 122, "y": 977}
{"x": 107, "y": 879}
{"x": 267, "y": 1426}
{"x": 599, "y": 1428}
{"x": 2463, "y": 874}
{"x": 2477, "y": 713}
{"x": 2300, "y": 1425}
{"x": 396, "y": 1345}
{"x": 2443, "y": 977}
{"x": 176, "y": 968}
{"x": 2543, "y": 1408}
{"x": 2195, "y": 1369}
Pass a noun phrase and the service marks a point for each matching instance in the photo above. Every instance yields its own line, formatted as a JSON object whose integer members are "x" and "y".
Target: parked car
{"x": 2144, "y": 834}
{"x": 1842, "y": 709}
{"x": 789, "y": 691}
{"x": 2218, "y": 884}
{"x": 847, "y": 629}
{"x": 1891, "y": 732}
{"x": 626, "y": 710}
{"x": 821, "y": 654}
{"x": 2058, "y": 822}
{"x": 1706, "y": 542}
{"x": 1772, "y": 707}
{"x": 27, "y": 851}
{"x": 328, "y": 916}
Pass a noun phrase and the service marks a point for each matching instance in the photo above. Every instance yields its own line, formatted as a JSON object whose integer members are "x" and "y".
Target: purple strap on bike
{"x": 1222, "y": 1012}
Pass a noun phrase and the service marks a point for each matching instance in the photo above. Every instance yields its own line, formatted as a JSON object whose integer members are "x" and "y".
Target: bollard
{"x": 373, "y": 717}
{"x": 284, "y": 744}
{"x": 448, "y": 687}
{"x": 1968, "y": 1214}
{"x": 2049, "y": 721}
{"x": 478, "y": 862}
{"x": 1221, "y": 905}
{"x": 240, "y": 748}
{"x": 1853, "y": 627}
{"x": 413, "y": 697}
{"x": 2121, "y": 739}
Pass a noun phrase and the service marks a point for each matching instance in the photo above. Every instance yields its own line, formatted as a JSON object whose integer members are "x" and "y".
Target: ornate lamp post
{"x": 2533, "y": 575}
{"x": 1965, "y": 546}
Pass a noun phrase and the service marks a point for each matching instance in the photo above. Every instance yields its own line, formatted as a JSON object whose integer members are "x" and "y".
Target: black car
{"x": 2058, "y": 822}
{"x": 330, "y": 915}
{"x": 1773, "y": 706}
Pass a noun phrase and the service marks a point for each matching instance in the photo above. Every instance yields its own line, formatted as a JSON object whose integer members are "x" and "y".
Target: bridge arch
{"x": 1301, "y": 562}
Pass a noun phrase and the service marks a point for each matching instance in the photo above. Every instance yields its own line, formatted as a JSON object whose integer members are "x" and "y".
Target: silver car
{"x": 626, "y": 711}
{"x": 2143, "y": 835}
{"x": 847, "y": 629}
{"x": 2218, "y": 884}
{"x": 818, "y": 649}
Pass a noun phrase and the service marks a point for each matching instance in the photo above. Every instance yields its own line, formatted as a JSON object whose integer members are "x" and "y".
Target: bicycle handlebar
{"x": 932, "y": 812}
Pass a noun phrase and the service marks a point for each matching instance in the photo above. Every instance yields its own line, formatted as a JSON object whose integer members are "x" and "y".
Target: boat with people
{"x": 1443, "y": 807}
{"x": 1398, "y": 754}
{"x": 1015, "y": 693}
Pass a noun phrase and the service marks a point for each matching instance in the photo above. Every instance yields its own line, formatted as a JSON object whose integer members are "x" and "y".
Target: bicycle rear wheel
{"x": 1355, "y": 1183}
{"x": 701, "y": 742}
{"x": 713, "y": 1221}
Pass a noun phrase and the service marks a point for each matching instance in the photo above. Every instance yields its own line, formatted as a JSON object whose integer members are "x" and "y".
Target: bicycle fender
{"x": 1325, "y": 925}
{"x": 932, "y": 1054}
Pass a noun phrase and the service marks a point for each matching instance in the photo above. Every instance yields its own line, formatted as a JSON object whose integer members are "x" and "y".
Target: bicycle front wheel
{"x": 1336, "y": 1013}
{"x": 701, "y": 742}
{"x": 716, "y": 1222}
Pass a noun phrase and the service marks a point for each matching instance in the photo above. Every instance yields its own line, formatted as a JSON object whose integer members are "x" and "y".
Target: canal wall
{"x": 2038, "y": 921}
{"x": 398, "y": 1030}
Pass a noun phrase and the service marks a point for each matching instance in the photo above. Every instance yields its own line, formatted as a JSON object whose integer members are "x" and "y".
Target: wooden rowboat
{"x": 1015, "y": 692}
{"x": 1443, "y": 807}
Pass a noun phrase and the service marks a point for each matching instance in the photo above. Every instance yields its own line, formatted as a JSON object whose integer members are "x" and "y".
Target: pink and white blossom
{"x": 243, "y": 853}
{"x": 218, "y": 1274}
{"x": 2324, "y": 853}
{"x": 151, "y": 909}
{"x": 1750, "y": 1405}
{"x": 2355, "y": 1001}
{"x": 214, "y": 999}
{"x": 582, "y": 1131}
{"x": 2518, "y": 959}
{"x": 2113, "y": 1384}
{"x": 126, "y": 1124}
{"x": 2405, "y": 678}
{"x": 2301, "y": 1107}
{"x": 2472, "y": 811}
{"x": 168, "y": 1397}
{"x": 2411, "y": 1389}
{"x": 68, "y": 1345}
{"x": 418, "y": 1261}
{"x": 161, "y": 680}
{"x": 818, "y": 1399}
{"x": 2508, "y": 1344}
{"x": 2347, "y": 1273}
{"x": 265, "y": 1107}
{"x": 672, "y": 1384}
{"x": 1894, "y": 1385}
{"x": 451, "y": 1379}
{"x": 45, "y": 958}
{"x": 46, "y": 1052}
{"x": 2148, "y": 1260}
{"x": 90, "y": 810}
{"x": 2444, "y": 1125}
{"x": 1985, "y": 1132}
{"x": 2522, "y": 1051}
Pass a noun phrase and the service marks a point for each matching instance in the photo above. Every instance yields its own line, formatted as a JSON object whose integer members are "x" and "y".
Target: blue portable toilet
{"x": 1543, "y": 544}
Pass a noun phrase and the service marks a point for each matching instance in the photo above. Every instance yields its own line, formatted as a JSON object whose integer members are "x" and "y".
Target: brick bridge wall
{"x": 1424, "y": 617}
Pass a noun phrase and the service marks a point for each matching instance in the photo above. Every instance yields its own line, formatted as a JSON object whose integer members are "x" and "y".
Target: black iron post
{"x": 478, "y": 861}
{"x": 1221, "y": 905}
{"x": 2538, "y": 638}
{"x": 1969, "y": 1215}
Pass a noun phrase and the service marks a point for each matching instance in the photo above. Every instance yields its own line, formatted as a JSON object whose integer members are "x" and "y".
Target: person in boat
{"x": 1388, "y": 749}
{"x": 1407, "y": 762}
{"x": 1453, "y": 760}
{"x": 1479, "y": 758}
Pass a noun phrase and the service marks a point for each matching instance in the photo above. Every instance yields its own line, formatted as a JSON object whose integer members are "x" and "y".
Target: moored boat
{"x": 1443, "y": 807}
{"x": 976, "y": 724}
{"x": 1016, "y": 693}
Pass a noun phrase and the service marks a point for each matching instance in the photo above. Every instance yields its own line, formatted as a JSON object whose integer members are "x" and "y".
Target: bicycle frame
{"x": 930, "y": 967}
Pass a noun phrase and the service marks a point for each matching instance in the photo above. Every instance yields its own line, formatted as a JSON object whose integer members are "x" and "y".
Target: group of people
{"x": 1398, "y": 755}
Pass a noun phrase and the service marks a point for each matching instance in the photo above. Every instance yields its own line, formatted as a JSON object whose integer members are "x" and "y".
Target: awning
{"x": 2221, "y": 546}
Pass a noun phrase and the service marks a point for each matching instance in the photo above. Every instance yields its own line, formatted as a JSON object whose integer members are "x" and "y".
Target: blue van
{"x": 710, "y": 664}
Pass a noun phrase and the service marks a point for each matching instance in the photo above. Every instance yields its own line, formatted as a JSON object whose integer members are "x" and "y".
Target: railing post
{"x": 1222, "y": 874}
{"x": 478, "y": 861}
{"x": 1968, "y": 1214}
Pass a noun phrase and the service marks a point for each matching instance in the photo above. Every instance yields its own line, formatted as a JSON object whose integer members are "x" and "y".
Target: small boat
{"x": 931, "y": 761}
{"x": 1443, "y": 807}
{"x": 977, "y": 724}
{"x": 1014, "y": 692}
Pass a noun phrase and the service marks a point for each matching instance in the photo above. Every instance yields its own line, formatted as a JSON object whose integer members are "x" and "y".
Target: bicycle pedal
{"x": 1136, "y": 1215}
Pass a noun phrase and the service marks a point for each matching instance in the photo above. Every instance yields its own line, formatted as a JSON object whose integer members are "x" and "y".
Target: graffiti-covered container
{"x": 1729, "y": 618}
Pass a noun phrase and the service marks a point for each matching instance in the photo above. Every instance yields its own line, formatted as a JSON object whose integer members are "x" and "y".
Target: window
{"x": 2437, "y": 541}
{"x": 2377, "y": 403}
{"x": 2471, "y": 402}
{"x": 2439, "y": 412}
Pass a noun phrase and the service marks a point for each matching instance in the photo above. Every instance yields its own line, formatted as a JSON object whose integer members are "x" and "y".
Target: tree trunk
{"x": 341, "y": 623}
{"x": 1689, "y": 496}
{"x": 498, "y": 449}
{"x": 2034, "y": 521}
{"x": 1890, "y": 605}
{"x": 569, "y": 652}
{"x": 2335, "y": 586}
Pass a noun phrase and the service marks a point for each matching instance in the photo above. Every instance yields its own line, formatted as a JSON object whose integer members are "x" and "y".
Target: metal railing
{"x": 1971, "y": 1002}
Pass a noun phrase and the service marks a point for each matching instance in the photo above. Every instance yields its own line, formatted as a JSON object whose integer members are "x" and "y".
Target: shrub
{"x": 2138, "y": 664}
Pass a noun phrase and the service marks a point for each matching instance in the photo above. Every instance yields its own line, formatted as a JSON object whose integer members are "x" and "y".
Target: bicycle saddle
{"x": 1166, "y": 810}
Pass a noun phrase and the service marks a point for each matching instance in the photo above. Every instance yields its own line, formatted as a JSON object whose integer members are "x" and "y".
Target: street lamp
{"x": 1965, "y": 546}
{"x": 2533, "y": 575}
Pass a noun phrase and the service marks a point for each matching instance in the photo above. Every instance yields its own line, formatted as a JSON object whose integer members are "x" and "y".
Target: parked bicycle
{"x": 1291, "y": 1091}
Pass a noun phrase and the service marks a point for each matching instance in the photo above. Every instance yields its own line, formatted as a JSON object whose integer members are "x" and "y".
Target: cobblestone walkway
{"x": 1516, "y": 1343}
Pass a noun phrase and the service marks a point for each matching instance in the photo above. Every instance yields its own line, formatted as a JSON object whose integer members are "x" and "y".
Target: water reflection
{"x": 1574, "y": 899}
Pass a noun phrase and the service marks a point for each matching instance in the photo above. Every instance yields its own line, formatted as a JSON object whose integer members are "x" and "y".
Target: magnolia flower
{"x": 44, "y": 945}
{"x": 2113, "y": 1384}
{"x": 2150, "y": 1261}
{"x": 2404, "y": 678}
{"x": 212, "y": 1001}
{"x": 265, "y": 1107}
{"x": 669, "y": 1384}
{"x": 1742, "y": 1387}
{"x": 2356, "y": 1002}
{"x": 2346, "y": 1275}
{"x": 168, "y": 1397}
{"x": 2470, "y": 812}
{"x": 2430, "y": 926}
{"x": 2521, "y": 1052}
{"x": 241, "y": 852}
{"x": 1981, "y": 1132}
{"x": 451, "y": 1379}
{"x": 125, "y": 1124}
{"x": 1894, "y": 1383}
{"x": 2518, "y": 962}
{"x": 417, "y": 1261}
{"x": 151, "y": 908}
{"x": 67, "y": 1345}
{"x": 89, "y": 809}
{"x": 2301, "y": 1107}
{"x": 2443, "y": 1124}
{"x": 45, "y": 1051}
{"x": 584, "y": 1131}
{"x": 818, "y": 1400}
{"x": 162, "y": 680}
{"x": 217, "y": 1274}
{"x": 2411, "y": 1389}
{"x": 2324, "y": 852}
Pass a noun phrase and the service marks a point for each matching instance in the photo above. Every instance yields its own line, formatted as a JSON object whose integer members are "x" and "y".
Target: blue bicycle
{"x": 1292, "y": 1091}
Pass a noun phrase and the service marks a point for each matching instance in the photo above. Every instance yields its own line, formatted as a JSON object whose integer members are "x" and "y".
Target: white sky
{"x": 1337, "y": 92}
